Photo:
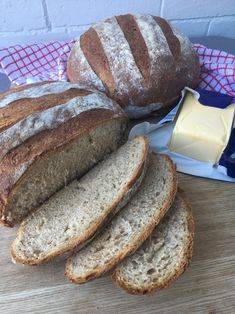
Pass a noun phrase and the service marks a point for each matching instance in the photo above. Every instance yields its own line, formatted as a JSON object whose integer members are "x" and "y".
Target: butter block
{"x": 201, "y": 132}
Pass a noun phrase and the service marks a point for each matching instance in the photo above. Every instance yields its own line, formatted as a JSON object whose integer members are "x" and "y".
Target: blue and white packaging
{"x": 159, "y": 135}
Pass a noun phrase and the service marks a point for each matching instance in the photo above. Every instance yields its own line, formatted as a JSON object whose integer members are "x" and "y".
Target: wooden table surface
{"x": 208, "y": 286}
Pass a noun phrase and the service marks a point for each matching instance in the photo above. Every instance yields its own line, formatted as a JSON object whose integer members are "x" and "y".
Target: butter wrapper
{"x": 201, "y": 132}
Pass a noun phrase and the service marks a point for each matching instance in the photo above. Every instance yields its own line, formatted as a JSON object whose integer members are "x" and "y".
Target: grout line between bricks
{"x": 200, "y": 18}
{"x": 162, "y": 7}
{"x": 208, "y": 27}
{"x": 45, "y": 30}
{"x": 46, "y": 15}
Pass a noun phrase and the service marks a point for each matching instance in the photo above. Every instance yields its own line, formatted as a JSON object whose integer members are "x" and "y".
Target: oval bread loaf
{"x": 139, "y": 60}
{"x": 51, "y": 133}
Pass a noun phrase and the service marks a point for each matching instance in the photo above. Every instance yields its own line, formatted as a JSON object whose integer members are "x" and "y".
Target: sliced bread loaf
{"x": 164, "y": 256}
{"x": 50, "y": 134}
{"x": 130, "y": 228}
{"x": 73, "y": 215}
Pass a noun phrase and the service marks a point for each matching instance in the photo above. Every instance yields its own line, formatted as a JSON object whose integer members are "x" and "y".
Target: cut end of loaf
{"x": 164, "y": 256}
{"x": 58, "y": 167}
{"x": 74, "y": 214}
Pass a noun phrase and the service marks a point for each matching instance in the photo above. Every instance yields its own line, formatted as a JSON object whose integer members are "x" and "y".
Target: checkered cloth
{"x": 36, "y": 62}
{"x": 47, "y": 61}
{"x": 217, "y": 70}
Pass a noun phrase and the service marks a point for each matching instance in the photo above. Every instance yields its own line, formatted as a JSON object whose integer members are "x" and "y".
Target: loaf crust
{"x": 183, "y": 265}
{"x": 145, "y": 62}
{"x": 20, "y": 152}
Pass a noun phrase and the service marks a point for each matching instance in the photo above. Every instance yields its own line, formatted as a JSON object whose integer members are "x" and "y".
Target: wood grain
{"x": 208, "y": 286}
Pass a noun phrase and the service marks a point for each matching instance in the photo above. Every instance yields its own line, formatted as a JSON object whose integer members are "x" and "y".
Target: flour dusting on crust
{"x": 51, "y": 118}
{"x": 125, "y": 72}
{"x": 37, "y": 91}
{"x": 154, "y": 38}
{"x": 80, "y": 65}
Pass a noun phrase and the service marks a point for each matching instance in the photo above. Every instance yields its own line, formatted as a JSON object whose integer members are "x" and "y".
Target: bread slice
{"x": 164, "y": 256}
{"x": 73, "y": 215}
{"x": 130, "y": 228}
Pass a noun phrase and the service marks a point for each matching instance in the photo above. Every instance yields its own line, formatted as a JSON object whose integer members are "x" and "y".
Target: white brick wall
{"x": 21, "y": 16}
{"x": 23, "y": 21}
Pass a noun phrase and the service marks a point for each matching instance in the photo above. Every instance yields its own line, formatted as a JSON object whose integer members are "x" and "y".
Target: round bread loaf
{"x": 139, "y": 60}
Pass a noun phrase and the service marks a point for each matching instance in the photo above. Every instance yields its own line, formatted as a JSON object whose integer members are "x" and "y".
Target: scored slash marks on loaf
{"x": 135, "y": 56}
{"x": 137, "y": 44}
{"x": 87, "y": 74}
{"x": 123, "y": 69}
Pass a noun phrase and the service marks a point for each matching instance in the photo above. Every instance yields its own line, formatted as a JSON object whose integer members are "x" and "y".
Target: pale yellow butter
{"x": 201, "y": 132}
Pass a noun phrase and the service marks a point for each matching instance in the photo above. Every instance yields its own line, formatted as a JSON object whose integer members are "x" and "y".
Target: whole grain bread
{"x": 74, "y": 214}
{"x": 139, "y": 60}
{"x": 51, "y": 133}
{"x": 131, "y": 226}
{"x": 164, "y": 256}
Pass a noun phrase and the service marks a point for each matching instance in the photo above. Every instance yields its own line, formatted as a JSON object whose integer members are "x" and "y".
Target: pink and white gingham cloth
{"x": 47, "y": 61}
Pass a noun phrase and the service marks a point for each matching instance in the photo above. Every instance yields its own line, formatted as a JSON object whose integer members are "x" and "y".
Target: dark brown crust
{"x": 172, "y": 40}
{"x": 93, "y": 228}
{"x": 94, "y": 52}
{"x": 137, "y": 44}
{"x": 133, "y": 246}
{"x": 181, "y": 268}
{"x": 22, "y": 108}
